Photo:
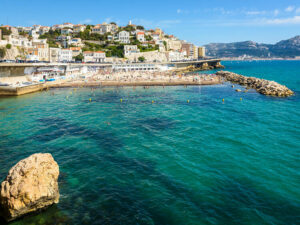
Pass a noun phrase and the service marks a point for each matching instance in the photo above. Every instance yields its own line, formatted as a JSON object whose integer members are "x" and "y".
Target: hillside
{"x": 285, "y": 48}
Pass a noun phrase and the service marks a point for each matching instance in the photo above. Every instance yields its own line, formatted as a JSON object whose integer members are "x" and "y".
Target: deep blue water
{"x": 171, "y": 162}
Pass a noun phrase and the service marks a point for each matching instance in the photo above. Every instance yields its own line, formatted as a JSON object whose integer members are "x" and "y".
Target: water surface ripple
{"x": 171, "y": 162}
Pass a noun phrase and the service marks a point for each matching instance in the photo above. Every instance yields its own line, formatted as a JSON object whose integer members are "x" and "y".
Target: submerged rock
{"x": 29, "y": 186}
{"x": 262, "y": 86}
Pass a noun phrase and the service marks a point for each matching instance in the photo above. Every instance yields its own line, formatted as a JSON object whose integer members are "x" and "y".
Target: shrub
{"x": 8, "y": 46}
{"x": 141, "y": 59}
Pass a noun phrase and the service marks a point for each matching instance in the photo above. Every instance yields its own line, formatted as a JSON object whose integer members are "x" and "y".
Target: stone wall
{"x": 149, "y": 56}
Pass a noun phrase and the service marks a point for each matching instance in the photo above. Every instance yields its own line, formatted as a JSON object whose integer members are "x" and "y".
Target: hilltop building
{"x": 124, "y": 37}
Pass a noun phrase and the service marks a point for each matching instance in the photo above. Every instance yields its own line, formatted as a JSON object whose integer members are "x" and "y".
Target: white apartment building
{"x": 20, "y": 41}
{"x": 75, "y": 41}
{"x": 176, "y": 56}
{"x": 54, "y": 54}
{"x": 69, "y": 25}
{"x": 44, "y": 29}
{"x": 65, "y": 55}
{"x": 96, "y": 29}
{"x": 66, "y": 31}
{"x": 130, "y": 49}
{"x": 140, "y": 36}
{"x": 124, "y": 37}
{"x": 95, "y": 57}
{"x": 78, "y": 28}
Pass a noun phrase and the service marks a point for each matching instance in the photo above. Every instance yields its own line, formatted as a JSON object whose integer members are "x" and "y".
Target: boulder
{"x": 29, "y": 186}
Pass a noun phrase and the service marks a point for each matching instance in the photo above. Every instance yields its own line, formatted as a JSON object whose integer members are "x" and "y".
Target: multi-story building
{"x": 12, "y": 29}
{"x": 95, "y": 57}
{"x": 106, "y": 28}
{"x": 195, "y": 52}
{"x": 68, "y": 25}
{"x": 124, "y": 37}
{"x": 16, "y": 40}
{"x": 64, "y": 40}
{"x": 140, "y": 36}
{"x": 75, "y": 41}
{"x": 176, "y": 55}
{"x": 66, "y": 55}
{"x": 155, "y": 36}
{"x": 57, "y": 27}
{"x": 39, "y": 54}
{"x": 75, "y": 51}
{"x": 40, "y": 43}
{"x": 34, "y": 34}
{"x": 96, "y": 29}
{"x": 191, "y": 50}
{"x": 44, "y": 29}
{"x": 159, "y": 32}
{"x": 201, "y": 52}
{"x": 173, "y": 44}
{"x": 78, "y": 28}
{"x": 54, "y": 54}
{"x": 66, "y": 31}
{"x": 130, "y": 49}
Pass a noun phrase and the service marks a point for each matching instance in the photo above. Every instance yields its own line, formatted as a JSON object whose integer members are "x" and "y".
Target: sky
{"x": 197, "y": 21}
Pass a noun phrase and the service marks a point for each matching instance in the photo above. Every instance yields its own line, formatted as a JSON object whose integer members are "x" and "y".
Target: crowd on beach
{"x": 146, "y": 76}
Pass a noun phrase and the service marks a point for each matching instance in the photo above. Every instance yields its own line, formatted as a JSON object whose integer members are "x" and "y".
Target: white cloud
{"x": 256, "y": 12}
{"x": 276, "y": 12}
{"x": 290, "y": 20}
{"x": 181, "y": 11}
{"x": 290, "y": 9}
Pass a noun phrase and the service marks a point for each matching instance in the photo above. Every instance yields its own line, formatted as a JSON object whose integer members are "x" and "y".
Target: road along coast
{"x": 262, "y": 86}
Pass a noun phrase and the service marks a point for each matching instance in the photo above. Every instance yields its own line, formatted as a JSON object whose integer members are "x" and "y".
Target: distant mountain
{"x": 285, "y": 48}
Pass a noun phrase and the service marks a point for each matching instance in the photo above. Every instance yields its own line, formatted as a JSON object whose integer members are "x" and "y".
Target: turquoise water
{"x": 170, "y": 162}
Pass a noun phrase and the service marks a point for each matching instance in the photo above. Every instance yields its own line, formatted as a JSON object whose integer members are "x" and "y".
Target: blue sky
{"x": 198, "y": 21}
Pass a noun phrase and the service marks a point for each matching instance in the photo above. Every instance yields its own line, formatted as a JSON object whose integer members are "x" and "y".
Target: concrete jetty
{"x": 15, "y": 91}
{"x": 262, "y": 86}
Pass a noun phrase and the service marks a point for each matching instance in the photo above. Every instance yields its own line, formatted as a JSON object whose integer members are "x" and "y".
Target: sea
{"x": 164, "y": 155}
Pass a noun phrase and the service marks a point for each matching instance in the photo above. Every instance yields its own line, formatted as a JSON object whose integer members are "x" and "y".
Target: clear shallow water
{"x": 171, "y": 162}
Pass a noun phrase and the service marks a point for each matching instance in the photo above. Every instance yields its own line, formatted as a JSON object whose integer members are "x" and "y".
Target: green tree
{"x": 8, "y": 46}
{"x": 140, "y": 27}
{"x": 129, "y": 28}
{"x": 141, "y": 59}
{"x": 148, "y": 38}
{"x": 5, "y": 31}
{"x": 165, "y": 44}
{"x": 115, "y": 51}
{"x": 79, "y": 57}
{"x": 2, "y": 52}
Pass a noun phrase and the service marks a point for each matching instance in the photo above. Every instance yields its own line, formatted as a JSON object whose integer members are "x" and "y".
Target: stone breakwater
{"x": 262, "y": 86}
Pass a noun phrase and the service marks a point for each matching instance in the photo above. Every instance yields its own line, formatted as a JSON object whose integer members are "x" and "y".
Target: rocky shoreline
{"x": 262, "y": 86}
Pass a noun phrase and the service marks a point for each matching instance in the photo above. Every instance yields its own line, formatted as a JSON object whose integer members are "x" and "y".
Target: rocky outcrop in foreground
{"x": 29, "y": 186}
{"x": 262, "y": 86}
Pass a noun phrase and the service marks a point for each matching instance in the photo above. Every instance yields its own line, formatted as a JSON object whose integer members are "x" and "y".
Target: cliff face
{"x": 285, "y": 48}
{"x": 14, "y": 52}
